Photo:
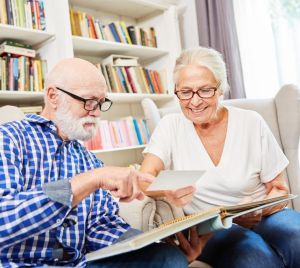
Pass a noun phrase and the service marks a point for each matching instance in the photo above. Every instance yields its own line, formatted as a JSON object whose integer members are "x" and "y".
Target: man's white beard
{"x": 73, "y": 127}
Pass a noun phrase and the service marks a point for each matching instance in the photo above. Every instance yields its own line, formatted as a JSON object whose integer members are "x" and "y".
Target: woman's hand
{"x": 276, "y": 187}
{"x": 249, "y": 220}
{"x": 192, "y": 245}
{"x": 180, "y": 197}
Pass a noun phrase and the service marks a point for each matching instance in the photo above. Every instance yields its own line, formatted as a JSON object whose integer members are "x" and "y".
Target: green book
{"x": 15, "y": 44}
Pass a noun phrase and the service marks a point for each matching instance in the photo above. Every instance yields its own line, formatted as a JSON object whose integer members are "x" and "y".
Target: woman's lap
{"x": 267, "y": 245}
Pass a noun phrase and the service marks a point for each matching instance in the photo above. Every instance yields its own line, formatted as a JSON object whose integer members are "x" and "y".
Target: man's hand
{"x": 180, "y": 197}
{"x": 124, "y": 183}
{"x": 192, "y": 245}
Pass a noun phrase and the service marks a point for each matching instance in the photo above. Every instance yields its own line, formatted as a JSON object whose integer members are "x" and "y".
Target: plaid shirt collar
{"x": 38, "y": 119}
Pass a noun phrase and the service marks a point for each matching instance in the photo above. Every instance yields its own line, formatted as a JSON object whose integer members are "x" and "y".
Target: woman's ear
{"x": 220, "y": 94}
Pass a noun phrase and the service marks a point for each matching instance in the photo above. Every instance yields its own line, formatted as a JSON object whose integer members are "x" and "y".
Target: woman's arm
{"x": 152, "y": 164}
{"x": 276, "y": 187}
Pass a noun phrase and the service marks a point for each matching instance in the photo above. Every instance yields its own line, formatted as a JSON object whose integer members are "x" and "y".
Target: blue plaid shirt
{"x": 35, "y": 227}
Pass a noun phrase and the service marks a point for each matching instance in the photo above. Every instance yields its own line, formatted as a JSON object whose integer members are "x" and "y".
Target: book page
{"x": 238, "y": 210}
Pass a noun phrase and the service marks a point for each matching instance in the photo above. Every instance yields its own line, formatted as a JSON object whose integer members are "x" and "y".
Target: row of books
{"x": 132, "y": 79}
{"x": 121, "y": 133}
{"x": 22, "y": 73}
{"x": 86, "y": 25}
{"x": 23, "y": 13}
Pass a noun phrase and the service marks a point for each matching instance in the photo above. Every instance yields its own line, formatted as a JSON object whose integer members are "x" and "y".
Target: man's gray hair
{"x": 205, "y": 57}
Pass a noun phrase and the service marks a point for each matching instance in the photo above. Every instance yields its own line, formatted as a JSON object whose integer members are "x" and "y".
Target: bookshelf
{"x": 57, "y": 43}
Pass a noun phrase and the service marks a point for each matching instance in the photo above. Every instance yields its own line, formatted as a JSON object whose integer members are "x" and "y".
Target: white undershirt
{"x": 251, "y": 156}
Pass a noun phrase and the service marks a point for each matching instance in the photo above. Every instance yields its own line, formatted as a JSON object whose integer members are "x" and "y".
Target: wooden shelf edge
{"x": 115, "y": 97}
{"x": 136, "y": 147}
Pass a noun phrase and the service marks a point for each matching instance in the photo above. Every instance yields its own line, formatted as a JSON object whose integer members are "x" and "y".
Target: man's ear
{"x": 52, "y": 96}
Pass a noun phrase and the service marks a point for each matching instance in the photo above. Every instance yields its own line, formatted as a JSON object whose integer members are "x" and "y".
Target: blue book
{"x": 114, "y": 32}
{"x": 15, "y": 74}
{"x": 122, "y": 78}
{"x": 137, "y": 131}
{"x": 149, "y": 80}
{"x": 9, "y": 12}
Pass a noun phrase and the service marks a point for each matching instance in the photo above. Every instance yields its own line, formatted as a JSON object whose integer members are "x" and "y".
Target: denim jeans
{"x": 274, "y": 242}
{"x": 158, "y": 255}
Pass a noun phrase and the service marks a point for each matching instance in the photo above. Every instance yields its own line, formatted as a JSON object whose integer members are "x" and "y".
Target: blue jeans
{"x": 274, "y": 242}
{"x": 157, "y": 255}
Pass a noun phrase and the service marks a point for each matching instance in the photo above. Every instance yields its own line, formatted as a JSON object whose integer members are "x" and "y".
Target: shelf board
{"x": 102, "y": 48}
{"x": 20, "y": 97}
{"x": 129, "y": 97}
{"x": 20, "y": 34}
{"x": 135, "y": 147}
{"x": 24, "y": 97}
{"x": 131, "y": 8}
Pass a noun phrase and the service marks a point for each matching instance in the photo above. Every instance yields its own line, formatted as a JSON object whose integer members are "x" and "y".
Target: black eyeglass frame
{"x": 198, "y": 92}
{"x": 99, "y": 103}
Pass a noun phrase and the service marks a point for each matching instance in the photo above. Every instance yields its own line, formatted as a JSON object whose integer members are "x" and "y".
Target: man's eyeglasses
{"x": 91, "y": 104}
{"x": 204, "y": 93}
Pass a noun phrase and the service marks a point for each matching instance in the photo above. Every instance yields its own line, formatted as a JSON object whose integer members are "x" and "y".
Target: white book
{"x": 17, "y": 50}
{"x": 120, "y": 60}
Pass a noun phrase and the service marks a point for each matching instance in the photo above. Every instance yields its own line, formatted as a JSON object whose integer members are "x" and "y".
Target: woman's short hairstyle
{"x": 205, "y": 57}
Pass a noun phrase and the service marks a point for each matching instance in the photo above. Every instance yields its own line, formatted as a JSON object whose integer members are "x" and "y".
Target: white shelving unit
{"x": 58, "y": 43}
{"x": 100, "y": 48}
{"x": 28, "y": 36}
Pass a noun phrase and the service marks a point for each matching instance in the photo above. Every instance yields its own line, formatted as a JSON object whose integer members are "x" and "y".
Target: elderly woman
{"x": 243, "y": 162}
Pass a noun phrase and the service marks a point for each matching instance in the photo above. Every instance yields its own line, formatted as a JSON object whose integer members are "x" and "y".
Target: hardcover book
{"x": 206, "y": 221}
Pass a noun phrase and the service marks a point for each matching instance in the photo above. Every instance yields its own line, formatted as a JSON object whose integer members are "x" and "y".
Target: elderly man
{"x": 54, "y": 207}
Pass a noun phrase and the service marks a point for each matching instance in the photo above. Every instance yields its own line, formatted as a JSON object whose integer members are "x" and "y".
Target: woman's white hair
{"x": 205, "y": 57}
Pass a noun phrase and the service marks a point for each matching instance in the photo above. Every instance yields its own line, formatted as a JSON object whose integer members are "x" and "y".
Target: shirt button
{"x": 56, "y": 259}
{"x": 58, "y": 221}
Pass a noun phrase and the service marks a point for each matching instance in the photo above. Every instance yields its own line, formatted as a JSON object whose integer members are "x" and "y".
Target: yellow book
{"x": 40, "y": 75}
{"x": 124, "y": 29}
{"x": 3, "y": 17}
{"x": 73, "y": 28}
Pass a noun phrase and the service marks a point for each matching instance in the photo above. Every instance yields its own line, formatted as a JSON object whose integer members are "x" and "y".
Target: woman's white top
{"x": 251, "y": 157}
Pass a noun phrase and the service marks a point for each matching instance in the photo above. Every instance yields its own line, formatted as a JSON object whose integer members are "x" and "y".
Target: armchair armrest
{"x": 139, "y": 214}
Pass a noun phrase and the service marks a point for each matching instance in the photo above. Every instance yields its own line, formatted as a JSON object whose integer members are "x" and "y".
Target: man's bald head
{"x": 73, "y": 73}
{"x": 69, "y": 114}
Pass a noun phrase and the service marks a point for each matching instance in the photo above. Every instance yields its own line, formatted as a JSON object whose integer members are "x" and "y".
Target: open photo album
{"x": 206, "y": 221}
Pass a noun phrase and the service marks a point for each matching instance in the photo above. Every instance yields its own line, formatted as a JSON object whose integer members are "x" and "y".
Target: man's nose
{"x": 96, "y": 112}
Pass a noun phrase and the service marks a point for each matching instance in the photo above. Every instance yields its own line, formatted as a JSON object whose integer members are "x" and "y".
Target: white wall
{"x": 188, "y": 24}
